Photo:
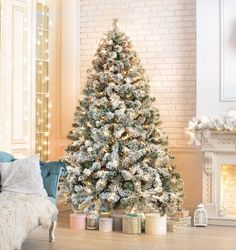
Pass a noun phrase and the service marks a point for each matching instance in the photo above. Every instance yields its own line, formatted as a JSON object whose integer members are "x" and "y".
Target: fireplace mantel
{"x": 218, "y": 148}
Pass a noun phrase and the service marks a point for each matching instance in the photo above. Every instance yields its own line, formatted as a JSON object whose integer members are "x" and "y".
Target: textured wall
{"x": 163, "y": 34}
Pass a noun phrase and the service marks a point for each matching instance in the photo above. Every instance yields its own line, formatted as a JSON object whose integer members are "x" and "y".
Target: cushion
{"x": 5, "y": 157}
{"x": 22, "y": 176}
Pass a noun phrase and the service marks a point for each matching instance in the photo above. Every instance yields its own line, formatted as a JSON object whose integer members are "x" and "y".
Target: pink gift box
{"x": 78, "y": 221}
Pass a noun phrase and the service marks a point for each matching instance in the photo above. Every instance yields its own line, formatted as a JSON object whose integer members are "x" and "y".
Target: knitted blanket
{"x": 19, "y": 214}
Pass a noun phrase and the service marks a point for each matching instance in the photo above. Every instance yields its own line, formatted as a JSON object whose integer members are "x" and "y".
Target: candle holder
{"x": 105, "y": 225}
{"x": 92, "y": 221}
{"x": 200, "y": 216}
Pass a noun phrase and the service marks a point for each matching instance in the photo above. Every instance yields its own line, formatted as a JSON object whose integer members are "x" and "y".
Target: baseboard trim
{"x": 184, "y": 149}
{"x": 230, "y": 222}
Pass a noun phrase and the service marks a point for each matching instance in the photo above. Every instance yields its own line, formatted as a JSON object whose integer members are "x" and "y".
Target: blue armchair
{"x": 51, "y": 172}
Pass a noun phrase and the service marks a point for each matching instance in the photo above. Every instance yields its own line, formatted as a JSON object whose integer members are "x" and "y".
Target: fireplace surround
{"x": 219, "y": 170}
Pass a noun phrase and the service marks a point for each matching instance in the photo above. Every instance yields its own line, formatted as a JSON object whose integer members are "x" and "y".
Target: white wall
{"x": 216, "y": 61}
{"x": 66, "y": 74}
{"x": 163, "y": 34}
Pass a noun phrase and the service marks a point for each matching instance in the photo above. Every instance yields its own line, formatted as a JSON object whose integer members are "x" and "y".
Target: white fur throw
{"x": 19, "y": 214}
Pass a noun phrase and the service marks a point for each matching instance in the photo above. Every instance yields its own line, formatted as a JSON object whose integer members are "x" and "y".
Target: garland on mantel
{"x": 203, "y": 126}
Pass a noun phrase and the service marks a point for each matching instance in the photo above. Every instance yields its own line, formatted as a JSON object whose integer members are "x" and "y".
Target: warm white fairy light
{"x": 39, "y": 101}
{"x": 42, "y": 114}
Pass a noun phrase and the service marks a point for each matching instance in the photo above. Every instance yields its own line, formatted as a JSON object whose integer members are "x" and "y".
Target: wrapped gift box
{"x": 131, "y": 224}
{"x": 175, "y": 225}
{"x": 117, "y": 222}
{"x": 180, "y": 214}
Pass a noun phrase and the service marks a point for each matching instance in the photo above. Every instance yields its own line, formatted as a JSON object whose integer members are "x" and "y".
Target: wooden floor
{"x": 210, "y": 238}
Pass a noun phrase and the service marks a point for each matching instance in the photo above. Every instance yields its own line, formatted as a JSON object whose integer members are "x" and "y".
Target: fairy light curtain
{"x": 42, "y": 80}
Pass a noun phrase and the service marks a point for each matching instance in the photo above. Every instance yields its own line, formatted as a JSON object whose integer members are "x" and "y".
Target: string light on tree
{"x": 118, "y": 150}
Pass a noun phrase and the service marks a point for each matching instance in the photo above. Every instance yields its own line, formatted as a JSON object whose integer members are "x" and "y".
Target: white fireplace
{"x": 219, "y": 177}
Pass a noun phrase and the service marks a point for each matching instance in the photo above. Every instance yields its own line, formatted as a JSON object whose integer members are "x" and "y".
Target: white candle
{"x": 105, "y": 225}
{"x": 155, "y": 224}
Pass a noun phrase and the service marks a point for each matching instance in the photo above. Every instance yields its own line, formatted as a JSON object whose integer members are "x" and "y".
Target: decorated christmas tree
{"x": 118, "y": 157}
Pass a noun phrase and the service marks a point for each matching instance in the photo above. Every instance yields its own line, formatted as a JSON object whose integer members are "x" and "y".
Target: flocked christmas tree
{"x": 118, "y": 156}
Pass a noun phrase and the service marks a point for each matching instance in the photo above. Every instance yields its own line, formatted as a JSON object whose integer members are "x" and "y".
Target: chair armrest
{"x": 51, "y": 173}
{"x": 6, "y": 157}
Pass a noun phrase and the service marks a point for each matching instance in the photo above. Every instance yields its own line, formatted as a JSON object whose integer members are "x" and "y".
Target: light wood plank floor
{"x": 210, "y": 238}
